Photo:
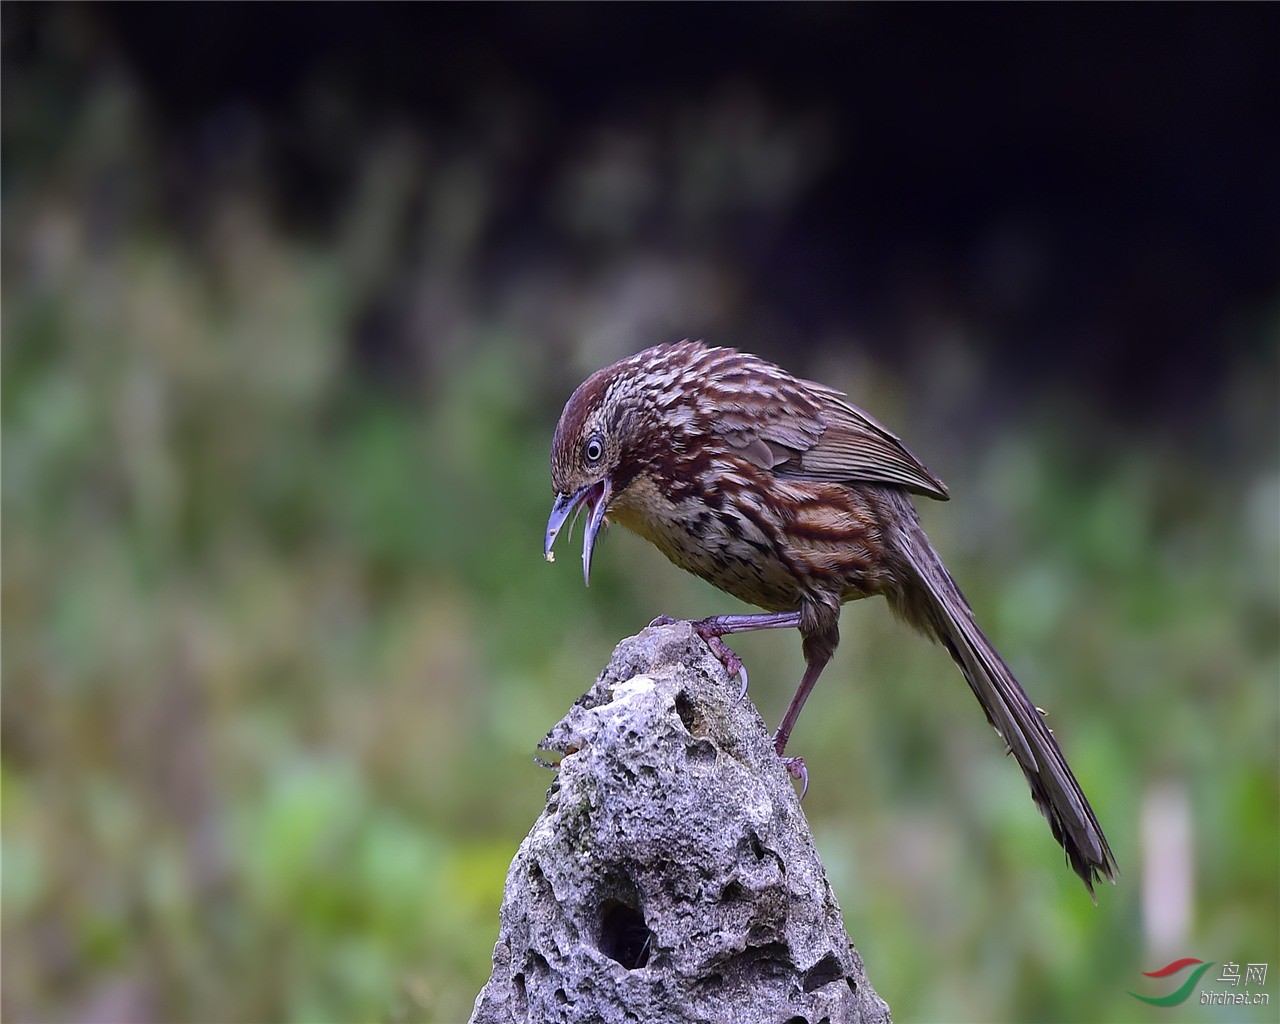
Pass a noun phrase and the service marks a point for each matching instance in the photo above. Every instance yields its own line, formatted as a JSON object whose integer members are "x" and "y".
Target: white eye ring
{"x": 594, "y": 450}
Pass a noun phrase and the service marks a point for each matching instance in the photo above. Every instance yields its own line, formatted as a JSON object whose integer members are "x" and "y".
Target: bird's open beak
{"x": 596, "y": 497}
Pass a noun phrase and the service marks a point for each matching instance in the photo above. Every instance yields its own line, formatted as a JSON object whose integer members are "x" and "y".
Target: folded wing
{"x": 805, "y": 430}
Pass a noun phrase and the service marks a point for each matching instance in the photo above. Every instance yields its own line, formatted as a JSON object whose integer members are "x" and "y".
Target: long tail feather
{"x": 937, "y": 607}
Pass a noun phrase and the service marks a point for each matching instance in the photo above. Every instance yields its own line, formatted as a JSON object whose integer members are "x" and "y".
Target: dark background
{"x": 293, "y": 295}
{"x": 1095, "y": 188}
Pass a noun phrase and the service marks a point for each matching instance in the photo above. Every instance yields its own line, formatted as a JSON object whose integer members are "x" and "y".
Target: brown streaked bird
{"x": 782, "y": 493}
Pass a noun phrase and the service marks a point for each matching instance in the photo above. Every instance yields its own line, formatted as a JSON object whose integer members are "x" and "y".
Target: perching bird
{"x": 782, "y": 493}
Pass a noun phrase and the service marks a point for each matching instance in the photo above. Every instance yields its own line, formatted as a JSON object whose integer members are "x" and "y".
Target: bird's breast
{"x": 719, "y": 541}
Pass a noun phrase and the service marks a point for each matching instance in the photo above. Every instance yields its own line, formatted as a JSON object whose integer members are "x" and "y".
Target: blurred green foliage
{"x": 280, "y": 642}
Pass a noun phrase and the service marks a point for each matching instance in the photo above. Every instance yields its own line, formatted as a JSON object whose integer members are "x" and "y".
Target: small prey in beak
{"x": 595, "y": 497}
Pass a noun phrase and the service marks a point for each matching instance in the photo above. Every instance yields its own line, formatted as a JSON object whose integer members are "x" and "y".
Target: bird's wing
{"x": 805, "y": 430}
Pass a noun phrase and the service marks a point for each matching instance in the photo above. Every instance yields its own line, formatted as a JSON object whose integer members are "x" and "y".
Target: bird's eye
{"x": 594, "y": 450}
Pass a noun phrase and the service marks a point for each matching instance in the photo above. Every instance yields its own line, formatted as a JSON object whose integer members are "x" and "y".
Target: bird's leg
{"x": 795, "y": 765}
{"x": 713, "y": 628}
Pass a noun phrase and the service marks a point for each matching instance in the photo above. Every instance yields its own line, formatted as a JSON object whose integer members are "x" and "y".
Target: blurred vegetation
{"x": 279, "y": 642}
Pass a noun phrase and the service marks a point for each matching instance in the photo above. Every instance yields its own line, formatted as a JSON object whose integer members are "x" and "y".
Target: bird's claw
{"x": 726, "y": 654}
{"x": 728, "y": 658}
{"x": 796, "y": 769}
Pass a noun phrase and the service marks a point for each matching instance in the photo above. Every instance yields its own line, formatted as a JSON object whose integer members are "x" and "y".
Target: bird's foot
{"x": 728, "y": 658}
{"x": 794, "y": 765}
{"x": 796, "y": 769}
{"x": 711, "y": 630}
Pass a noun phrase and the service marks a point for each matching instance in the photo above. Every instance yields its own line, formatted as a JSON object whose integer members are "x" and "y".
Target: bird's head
{"x": 598, "y": 448}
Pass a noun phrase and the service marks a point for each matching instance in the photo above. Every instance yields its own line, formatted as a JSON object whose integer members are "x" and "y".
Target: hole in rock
{"x": 750, "y": 844}
{"x": 824, "y": 972}
{"x": 688, "y": 714}
{"x": 624, "y": 936}
{"x": 538, "y": 965}
{"x": 732, "y": 891}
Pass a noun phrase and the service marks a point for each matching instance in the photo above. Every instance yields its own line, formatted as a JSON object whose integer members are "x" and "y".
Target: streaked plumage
{"x": 782, "y": 493}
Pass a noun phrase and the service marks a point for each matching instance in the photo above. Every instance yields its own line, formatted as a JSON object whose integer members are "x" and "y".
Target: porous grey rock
{"x": 672, "y": 875}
